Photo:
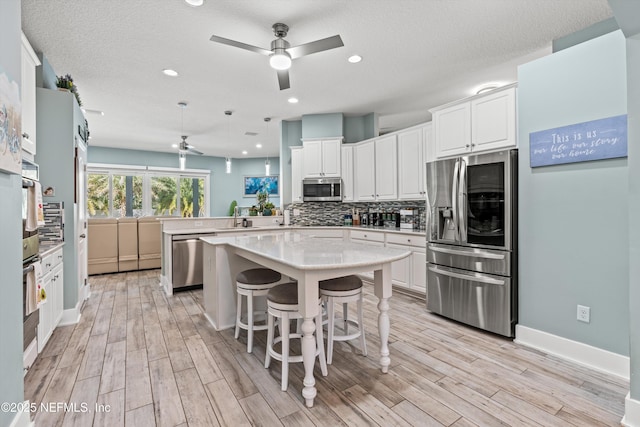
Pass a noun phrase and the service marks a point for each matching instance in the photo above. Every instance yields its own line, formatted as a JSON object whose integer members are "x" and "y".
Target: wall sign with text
{"x": 581, "y": 142}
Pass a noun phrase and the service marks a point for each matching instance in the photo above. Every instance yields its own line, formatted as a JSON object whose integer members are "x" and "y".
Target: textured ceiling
{"x": 417, "y": 54}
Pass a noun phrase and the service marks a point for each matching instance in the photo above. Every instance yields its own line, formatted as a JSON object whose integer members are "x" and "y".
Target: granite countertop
{"x": 303, "y": 252}
{"x": 48, "y": 247}
{"x": 205, "y": 230}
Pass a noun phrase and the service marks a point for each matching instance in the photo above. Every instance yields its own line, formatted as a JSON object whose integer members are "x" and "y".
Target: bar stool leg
{"x": 330, "y": 326}
{"x": 363, "y": 344}
{"x": 238, "y": 315}
{"x": 270, "y": 332}
{"x": 285, "y": 324}
{"x": 250, "y": 323}
{"x": 320, "y": 345}
{"x": 345, "y": 317}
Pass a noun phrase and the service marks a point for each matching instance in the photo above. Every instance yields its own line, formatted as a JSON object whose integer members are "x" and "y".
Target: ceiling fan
{"x": 282, "y": 53}
{"x": 187, "y": 148}
{"x": 184, "y": 147}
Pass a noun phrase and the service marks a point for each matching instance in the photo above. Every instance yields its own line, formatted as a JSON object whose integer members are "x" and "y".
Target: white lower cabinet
{"x": 51, "y": 309}
{"x": 375, "y": 238}
{"x": 409, "y": 272}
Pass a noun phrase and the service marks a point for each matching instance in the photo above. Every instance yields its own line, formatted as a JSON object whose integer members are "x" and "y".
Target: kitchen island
{"x": 305, "y": 259}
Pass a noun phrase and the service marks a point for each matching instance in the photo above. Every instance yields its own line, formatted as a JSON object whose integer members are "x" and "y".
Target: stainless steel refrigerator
{"x": 472, "y": 240}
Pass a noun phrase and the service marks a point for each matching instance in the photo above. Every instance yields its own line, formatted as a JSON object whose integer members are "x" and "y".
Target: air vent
{"x": 251, "y": 133}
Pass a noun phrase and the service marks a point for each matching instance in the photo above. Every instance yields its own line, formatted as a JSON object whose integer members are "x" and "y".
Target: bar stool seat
{"x": 282, "y": 304}
{"x": 343, "y": 290}
{"x": 253, "y": 283}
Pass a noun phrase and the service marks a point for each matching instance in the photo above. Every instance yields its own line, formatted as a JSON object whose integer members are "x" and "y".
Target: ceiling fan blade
{"x": 241, "y": 45}
{"x": 191, "y": 150}
{"x": 316, "y": 46}
{"x": 283, "y": 79}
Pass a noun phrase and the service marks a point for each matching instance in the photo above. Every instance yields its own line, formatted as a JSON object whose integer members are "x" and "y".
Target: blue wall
{"x": 11, "y": 381}
{"x": 573, "y": 218}
{"x": 224, "y": 187}
{"x": 322, "y": 125}
{"x": 360, "y": 128}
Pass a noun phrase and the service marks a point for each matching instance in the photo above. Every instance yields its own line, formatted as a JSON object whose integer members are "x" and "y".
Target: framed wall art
{"x": 253, "y": 184}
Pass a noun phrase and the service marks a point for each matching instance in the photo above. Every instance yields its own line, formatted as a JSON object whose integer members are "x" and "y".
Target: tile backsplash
{"x": 332, "y": 213}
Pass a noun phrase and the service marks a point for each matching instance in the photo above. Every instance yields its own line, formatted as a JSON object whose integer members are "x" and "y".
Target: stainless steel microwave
{"x": 322, "y": 189}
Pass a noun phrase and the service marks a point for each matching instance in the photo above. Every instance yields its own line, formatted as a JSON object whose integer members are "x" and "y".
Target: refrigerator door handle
{"x": 462, "y": 204}
{"x": 454, "y": 199}
{"x": 466, "y": 253}
{"x": 485, "y": 280}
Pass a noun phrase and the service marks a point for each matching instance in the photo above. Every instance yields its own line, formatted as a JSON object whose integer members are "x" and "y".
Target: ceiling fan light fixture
{"x": 182, "y": 159}
{"x": 227, "y": 162}
{"x": 267, "y": 167}
{"x": 280, "y": 60}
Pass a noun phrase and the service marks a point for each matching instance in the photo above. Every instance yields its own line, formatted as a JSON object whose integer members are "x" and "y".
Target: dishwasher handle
{"x": 182, "y": 237}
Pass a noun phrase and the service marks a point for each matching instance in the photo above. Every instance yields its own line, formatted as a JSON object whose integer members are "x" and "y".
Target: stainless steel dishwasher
{"x": 187, "y": 260}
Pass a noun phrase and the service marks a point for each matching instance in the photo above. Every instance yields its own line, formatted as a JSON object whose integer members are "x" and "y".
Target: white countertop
{"x": 46, "y": 248}
{"x": 308, "y": 253}
{"x": 209, "y": 230}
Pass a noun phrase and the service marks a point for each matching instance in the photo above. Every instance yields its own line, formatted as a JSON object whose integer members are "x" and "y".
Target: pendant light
{"x": 227, "y": 161}
{"x": 267, "y": 164}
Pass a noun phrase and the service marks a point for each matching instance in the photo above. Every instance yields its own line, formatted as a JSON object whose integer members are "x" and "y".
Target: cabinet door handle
{"x": 25, "y": 135}
{"x": 467, "y": 146}
{"x": 82, "y": 236}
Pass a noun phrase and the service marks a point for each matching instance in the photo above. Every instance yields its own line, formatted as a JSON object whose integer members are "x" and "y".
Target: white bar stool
{"x": 343, "y": 290}
{"x": 282, "y": 303}
{"x": 252, "y": 283}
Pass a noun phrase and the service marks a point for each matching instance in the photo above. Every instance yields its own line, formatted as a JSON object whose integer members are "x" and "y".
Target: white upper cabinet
{"x": 376, "y": 169}
{"x": 347, "y": 173}
{"x": 29, "y": 63}
{"x": 493, "y": 121}
{"x": 452, "y": 130}
{"x": 481, "y": 123}
{"x": 364, "y": 173}
{"x": 322, "y": 157}
{"x": 414, "y": 150}
{"x": 296, "y": 174}
{"x": 386, "y": 154}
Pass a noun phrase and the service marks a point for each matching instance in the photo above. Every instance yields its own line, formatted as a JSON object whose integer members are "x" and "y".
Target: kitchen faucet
{"x": 235, "y": 217}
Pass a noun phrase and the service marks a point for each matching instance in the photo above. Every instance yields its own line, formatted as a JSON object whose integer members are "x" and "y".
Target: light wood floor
{"x": 154, "y": 360}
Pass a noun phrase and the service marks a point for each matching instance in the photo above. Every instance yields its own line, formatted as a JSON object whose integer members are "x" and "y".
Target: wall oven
{"x": 472, "y": 240}
{"x": 322, "y": 189}
{"x": 30, "y": 258}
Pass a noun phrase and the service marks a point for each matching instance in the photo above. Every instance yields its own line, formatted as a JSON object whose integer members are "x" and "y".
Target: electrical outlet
{"x": 584, "y": 313}
{"x": 198, "y": 224}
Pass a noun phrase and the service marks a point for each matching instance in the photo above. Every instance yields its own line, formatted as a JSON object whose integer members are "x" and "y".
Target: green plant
{"x": 262, "y": 197}
{"x": 269, "y": 205}
{"x": 232, "y": 208}
{"x": 66, "y": 82}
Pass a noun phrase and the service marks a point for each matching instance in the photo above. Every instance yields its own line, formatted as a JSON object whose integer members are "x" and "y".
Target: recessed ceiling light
{"x": 194, "y": 2}
{"x": 244, "y": 152}
{"x": 174, "y": 145}
{"x": 293, "y": 100}
{"x": 354, "y": 59}
{"x": 169, "y": 72}
{"x": 258, "y": 145}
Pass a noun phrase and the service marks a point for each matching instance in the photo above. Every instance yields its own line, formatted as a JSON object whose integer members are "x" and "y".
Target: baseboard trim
{"x": 583, "y": 354}
{"x": 23, "y": 419}
{"x": 71, "y": 316}
{"x": 631, "y": 412}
